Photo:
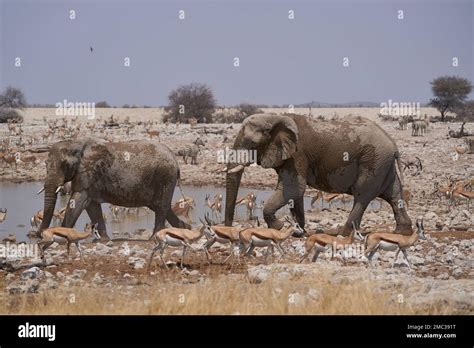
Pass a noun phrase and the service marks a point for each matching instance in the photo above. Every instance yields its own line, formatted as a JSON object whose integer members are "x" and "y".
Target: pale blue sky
{"x": 282, "y": 61}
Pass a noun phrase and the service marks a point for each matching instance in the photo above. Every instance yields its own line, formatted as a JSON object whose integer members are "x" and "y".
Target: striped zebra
{"x": 191, "y": 150}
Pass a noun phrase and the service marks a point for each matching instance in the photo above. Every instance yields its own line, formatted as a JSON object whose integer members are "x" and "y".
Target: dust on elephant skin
{"x": 130, "y": 174}
{"x": 352, "y": 155}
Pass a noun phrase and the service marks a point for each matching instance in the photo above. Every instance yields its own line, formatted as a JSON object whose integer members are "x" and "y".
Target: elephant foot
{"x": 102, "y": 239}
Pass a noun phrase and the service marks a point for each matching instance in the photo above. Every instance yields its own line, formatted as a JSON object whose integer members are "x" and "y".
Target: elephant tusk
{"x": 223, "y": 170}
{"x": 42, "y": 189}
{"x": 59, "y": 188}
{"x": 236, "y": 169}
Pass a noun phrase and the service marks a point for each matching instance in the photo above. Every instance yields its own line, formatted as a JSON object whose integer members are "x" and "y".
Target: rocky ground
{"x": 441, "y": 280}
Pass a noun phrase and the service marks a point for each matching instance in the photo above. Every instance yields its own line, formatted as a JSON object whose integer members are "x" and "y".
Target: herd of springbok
{"x": 244, "y": 239}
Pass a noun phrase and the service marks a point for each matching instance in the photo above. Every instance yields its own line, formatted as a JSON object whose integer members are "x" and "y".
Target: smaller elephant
{"x": 130, "y": 174}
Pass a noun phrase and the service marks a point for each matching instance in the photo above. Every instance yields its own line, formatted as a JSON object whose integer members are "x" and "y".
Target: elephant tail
{"x": 399, "y": 165}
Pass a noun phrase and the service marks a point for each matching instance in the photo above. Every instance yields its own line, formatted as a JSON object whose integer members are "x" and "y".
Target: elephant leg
{"x": 77, "y": 203}
{"x": 355, "y": 216}
{"x": 162, "y": 208}
{"x": 393, "y": 196}
{"x": 364, "y": 191}
{"x": 175, "y": 221}
{"x": 94, "y": 210}
{"x": 290, "y": 190}
{"x": 298, "y": 211}
{"x": 275, "y": 202}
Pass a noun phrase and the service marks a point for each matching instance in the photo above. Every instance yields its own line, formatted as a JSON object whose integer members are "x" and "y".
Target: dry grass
{"x": 230, "y": 295}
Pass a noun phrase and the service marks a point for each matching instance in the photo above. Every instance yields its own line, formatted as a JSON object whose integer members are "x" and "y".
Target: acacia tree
{"x": 195, "y": 100}
{"x": 11, "y": 99}
{"x": 450, "y": 92}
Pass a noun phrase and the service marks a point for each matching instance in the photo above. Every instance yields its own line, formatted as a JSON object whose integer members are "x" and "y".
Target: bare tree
{"x": 247, "y": 109}
{"x": 194, "y": 100}
{"x": 11, "y": 99}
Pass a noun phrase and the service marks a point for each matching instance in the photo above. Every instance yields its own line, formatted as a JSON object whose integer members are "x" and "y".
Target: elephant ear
{"x": 283, "y": 143}
{"x": 95, "y": 162}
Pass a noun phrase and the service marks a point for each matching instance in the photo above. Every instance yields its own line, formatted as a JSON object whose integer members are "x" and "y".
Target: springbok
{"x": 250, "y": 202}
{"x": 328, "y": 197}
{"x": 70, "y": 235}
{"x": 183, "y": 206}
{"x": 393, "y": 241}
{"x": 176, "y": 237}
{"x": 321, "y": 242}
{"x": 269, "y": 237}
{"x": 460, "y": 194}
{"x": 223, "y": 235}
{"x": 37, "y": 218}
{"x": 215, "y": 206}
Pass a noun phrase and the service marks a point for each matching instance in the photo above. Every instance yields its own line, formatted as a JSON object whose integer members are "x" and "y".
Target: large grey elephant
{"x": 130, "y": 174}
{"x": 352, "y": 155}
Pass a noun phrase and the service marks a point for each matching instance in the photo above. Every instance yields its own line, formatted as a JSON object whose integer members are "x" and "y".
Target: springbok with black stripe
{"x": 393, "y": 241}
{"x": 322, "y": 242}
{"x": 223, "y": 235}
{"x": 269, "y": 237}
{"x": 176, "y": 237}
{"x": 69, "y": 235}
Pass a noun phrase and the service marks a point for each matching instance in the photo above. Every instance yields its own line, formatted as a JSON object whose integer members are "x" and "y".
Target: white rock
{"x": 102, "y": 249}
{"x": 136, "y": 262}
{"x": 124, "y": 250}
{"x": 28, "y": 285}
{"x": 32, "y": 273}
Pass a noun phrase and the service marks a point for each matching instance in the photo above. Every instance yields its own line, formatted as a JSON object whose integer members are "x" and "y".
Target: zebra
{"x": 419, "y": 127}
{"x": 403, "y": 122}
{"x": 191, "y": 150}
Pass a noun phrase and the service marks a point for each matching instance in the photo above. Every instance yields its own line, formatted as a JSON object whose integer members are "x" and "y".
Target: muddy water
{"x": 22, "y": 202}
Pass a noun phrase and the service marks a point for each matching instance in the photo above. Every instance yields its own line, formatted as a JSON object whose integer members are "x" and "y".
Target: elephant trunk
{"x": 232, "y": 189}
{"x": 50, "y": 196}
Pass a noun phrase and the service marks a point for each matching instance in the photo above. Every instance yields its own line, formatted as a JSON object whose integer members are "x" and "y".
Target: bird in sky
{"x": 92, "y": 50}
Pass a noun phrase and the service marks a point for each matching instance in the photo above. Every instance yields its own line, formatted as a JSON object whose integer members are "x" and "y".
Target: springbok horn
{"x": 206, "y": 217}
{"x": 59, "y": 188}
{"x": 42, "y": 189}
{"x": 236, "y": 169}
